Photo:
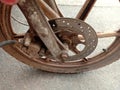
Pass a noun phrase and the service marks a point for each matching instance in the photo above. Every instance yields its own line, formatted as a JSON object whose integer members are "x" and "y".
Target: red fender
{"x": 9, "y": 2}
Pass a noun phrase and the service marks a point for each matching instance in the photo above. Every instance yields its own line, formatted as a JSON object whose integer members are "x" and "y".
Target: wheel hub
{"x": 68, "y": 31}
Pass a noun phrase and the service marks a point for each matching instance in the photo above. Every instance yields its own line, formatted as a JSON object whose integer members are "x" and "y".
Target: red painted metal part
{"x": 9, "y": 2}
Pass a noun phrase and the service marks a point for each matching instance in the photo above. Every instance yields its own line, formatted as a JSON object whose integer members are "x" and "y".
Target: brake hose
{"x": 8, "y": 42}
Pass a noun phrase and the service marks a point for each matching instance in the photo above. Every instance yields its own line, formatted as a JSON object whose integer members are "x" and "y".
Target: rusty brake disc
{"x": 68, "y": 31}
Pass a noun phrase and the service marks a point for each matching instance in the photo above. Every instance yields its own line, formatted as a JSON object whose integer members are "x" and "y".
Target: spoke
{"x": 48, "y": 11}
{"x": 109, "y": 34}
{"x": 53, "y": 5}
{"x": 103, "y": 35}
{"x": 83, "y": 13}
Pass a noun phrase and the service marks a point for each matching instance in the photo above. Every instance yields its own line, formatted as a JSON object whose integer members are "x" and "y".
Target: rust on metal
{"x": 103, "y": 35}
{"x": 70, "y": 29}
{"x": 38, "y": 21}
{"x": 27, "y": 39}
{"x": 63, "y": 34}
{"x": 84, "y": 11}
{"x": 49, "y": 12}
{"x": 53, "y": 5}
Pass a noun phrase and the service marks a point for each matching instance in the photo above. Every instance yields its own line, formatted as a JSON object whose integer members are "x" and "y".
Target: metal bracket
{"x": 39, "y": 23}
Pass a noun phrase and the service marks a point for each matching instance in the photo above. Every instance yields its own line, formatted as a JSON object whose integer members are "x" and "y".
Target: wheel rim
{"x": 97, "y": 61}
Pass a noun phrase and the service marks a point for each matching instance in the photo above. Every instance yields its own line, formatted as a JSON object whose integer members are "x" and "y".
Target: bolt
{"x": 85, "y": 59}
{"x": 104, "y": 50}
{"x": 64, "y": 56}
{"x": 44, "y": 32}
{"x": 48, "y": 59}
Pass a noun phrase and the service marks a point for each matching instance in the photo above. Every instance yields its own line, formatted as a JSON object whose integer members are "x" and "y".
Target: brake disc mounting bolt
{"x": 64, "y": 55}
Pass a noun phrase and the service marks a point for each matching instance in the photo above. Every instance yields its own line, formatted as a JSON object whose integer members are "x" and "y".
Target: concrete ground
{"x": 15, "y": 75}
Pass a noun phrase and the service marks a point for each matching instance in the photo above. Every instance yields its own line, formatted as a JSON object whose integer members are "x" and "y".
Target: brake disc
{"x": 68, "y": 31}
